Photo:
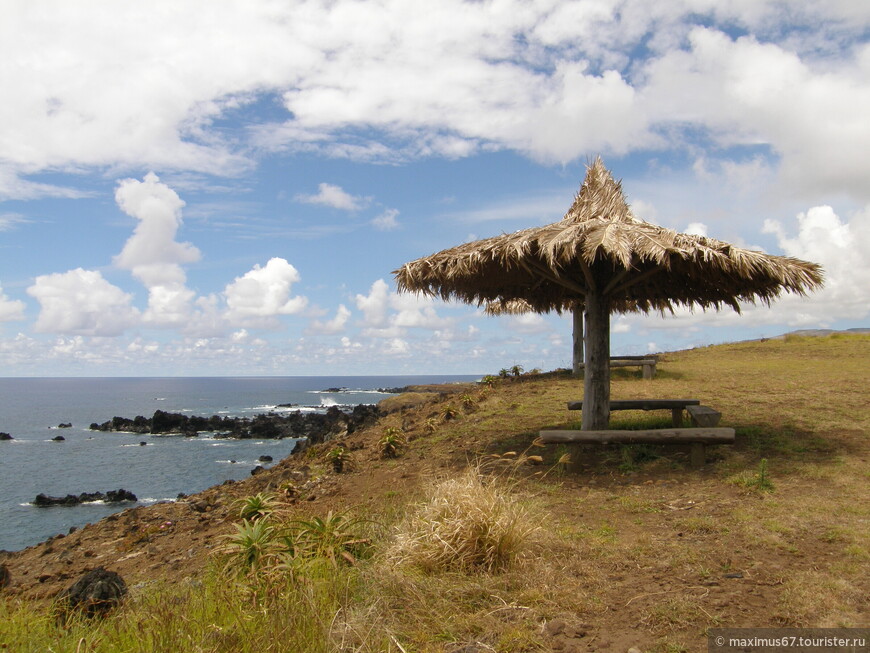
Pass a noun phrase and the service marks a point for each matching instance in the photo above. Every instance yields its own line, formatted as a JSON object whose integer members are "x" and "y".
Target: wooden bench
{"x": 647, "y": 362}
{"x": 703, "y": 415}
{"x": 677, "y": 406}
{"x": 697, "y": 437}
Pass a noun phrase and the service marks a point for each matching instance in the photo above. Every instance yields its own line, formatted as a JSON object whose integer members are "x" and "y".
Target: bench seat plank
{"x": 649, "y": 436}
{"x": 704, "y": 415}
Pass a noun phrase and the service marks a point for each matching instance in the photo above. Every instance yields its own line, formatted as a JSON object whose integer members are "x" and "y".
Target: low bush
{"x": 465, "y": 524}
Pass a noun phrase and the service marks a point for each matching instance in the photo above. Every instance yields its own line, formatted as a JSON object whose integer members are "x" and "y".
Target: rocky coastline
{"x": 310, "y": 428}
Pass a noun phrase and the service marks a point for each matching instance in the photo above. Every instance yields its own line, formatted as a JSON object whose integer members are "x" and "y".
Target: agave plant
{"x": 258, "y": 506}
{"x": 468, "y": 402}
{"x": 340, "y": 459}
{"x": 251, "y": 547}
{"x": 392, "y": 442}
{"x": 335, "y": 538}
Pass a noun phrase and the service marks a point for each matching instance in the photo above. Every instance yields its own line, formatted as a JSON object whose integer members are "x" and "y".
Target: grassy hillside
{"x": 619, "y": 546}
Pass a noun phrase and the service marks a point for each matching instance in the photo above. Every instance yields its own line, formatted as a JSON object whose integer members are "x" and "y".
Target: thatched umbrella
{"x": 602, "y": 257}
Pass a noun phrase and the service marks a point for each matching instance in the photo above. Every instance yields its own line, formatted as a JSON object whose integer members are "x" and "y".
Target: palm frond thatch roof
{"x": 600, "y": 246}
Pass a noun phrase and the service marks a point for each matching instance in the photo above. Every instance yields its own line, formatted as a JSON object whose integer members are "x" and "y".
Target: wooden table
{"x": 677, "y": 406}
{"x": 647, "y": 362}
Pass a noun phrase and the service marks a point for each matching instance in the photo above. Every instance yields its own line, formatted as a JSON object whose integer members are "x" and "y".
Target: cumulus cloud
{"x": 336, "y": 325}
{"x": 335, "y": 197}
{"x": 10, "y": 309}
{"x": 152, "y": 254}
{"x": 841, "y": 249}
{"x": 264, "y": 292}
{"x": 374, "y": 305}
{"x": 81, "y": 302}
{"x": 821, "y": 236}
{"x": 387, "y": 314}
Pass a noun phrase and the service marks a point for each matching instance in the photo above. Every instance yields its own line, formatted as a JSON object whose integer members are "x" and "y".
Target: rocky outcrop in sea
{"x": 313, "y": 427}
{"x": 112, "y": 496}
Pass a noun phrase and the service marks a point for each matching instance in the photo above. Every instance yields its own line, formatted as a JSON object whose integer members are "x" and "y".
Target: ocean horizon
{"x": 32, "y": 410}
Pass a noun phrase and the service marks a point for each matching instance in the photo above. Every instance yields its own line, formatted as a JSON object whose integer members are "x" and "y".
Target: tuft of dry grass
{"x": 465, "y": 523}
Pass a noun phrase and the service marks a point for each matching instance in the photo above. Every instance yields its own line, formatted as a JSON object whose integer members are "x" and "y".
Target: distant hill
{"x": 821, "y": 332}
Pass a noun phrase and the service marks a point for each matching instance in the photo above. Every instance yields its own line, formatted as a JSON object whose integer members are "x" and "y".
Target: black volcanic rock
{"x": 58, "y": 438}
{"x": 95, "y": 593}
{"x": 112, "y": 496}
{"x": 65, "y": 425}
{"x": 315, "y": 427}
{"x": 6, "y": 436}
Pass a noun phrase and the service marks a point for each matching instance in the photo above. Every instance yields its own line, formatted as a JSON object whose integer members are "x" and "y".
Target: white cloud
{"x": 821, "y": 237}
{"x": 747, "y": 92}
{"x": 528, "y": 323}
{"x": 620, "y": 325}
{"x": 553, "y": 80}
{"x": 264, "y": 292}
{"x": 374, "y": 305}
{"x": 386, "y": 221}
{"x": 387, "y": 314}
{"x": 10, "y": 309}
{"x": 8, "y": 221}
{"x": 330, "y": 327}
{"x": 696, "y": 229}
{"x": 396, "y": 347}
{"x": 335, "y": 197}
{"x": 152, "y": 254}
{"x": 841, "y": 249}
{"x": 81, "y": 302}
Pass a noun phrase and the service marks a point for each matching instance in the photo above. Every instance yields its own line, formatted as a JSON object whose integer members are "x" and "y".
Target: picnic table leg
{"x": 677, "y": 414}
{"x": 649, "y": 371}
{"x": 698, "y": 456}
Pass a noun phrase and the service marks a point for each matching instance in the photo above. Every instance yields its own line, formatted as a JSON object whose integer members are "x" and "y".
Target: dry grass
{"x": 466, "y": 523}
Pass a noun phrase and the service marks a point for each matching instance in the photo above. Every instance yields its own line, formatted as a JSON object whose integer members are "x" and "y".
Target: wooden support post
{"x": 596, "y": 378}
{"x": 578, "y": 342}
{"x": 649, "y": 370}
{"x": 677, "y": 415}
{"x": 698, "y": 455}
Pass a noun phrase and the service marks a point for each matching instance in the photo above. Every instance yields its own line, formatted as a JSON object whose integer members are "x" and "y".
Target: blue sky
{"x": 223, "y": 188}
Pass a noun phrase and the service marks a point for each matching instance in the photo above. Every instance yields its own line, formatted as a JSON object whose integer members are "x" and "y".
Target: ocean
{"x": 31, "y": 410}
